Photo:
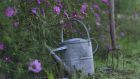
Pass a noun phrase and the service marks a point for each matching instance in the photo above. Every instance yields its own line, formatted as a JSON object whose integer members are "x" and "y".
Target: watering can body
{"x": 78, "y": 55}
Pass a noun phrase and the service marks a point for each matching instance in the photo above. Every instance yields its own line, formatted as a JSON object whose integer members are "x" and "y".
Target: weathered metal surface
{"x": 78, "y": 55}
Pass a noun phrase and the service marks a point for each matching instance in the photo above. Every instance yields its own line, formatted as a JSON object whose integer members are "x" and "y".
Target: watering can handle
{"x": 62, "y": 32}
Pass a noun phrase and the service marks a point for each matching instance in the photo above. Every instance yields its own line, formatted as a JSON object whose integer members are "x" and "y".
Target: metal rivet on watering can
{"x": 77, "y": 53}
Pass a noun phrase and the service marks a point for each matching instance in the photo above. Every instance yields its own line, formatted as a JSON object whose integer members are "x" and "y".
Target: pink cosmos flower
{"x": 83, "y": 8}
{"x": 57, "y": 10}
{"x": 35, "y": 66}
{"x": 1, "y": 46}
{"x": 10, "y": 11}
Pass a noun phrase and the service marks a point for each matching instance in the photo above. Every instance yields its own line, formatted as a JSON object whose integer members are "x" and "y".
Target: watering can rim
{"x": 75, "y": 41}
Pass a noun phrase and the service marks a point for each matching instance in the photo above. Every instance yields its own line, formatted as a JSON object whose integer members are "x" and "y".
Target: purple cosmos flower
{"x": 76, "y": 15}
{"x": 96, "y": 6}
{"x": 98, "y": 23}
{"x": 61, "y": 5}
{"x": 109, "y": 48}
{"x": 48, "y": 4}
{"x": 66, "y": 14}
{"x": 56, "y": 10}
{"x": 58, "y": 1}
{"x": 7, "y": 59}
{"x": 105, "y": 2}
{"x": 15, "y": 23}
{"x": 96, "y": 15}
{"x": 35, "y": 66}
{"x": 34, "y": 10}
{"x": 43, "y": 11}
{"x": 38, "y": 1}
{"x": 83, "y": 8}
{"x": 106, "y": 11}
{"x": 10, "y": 11}
{"x": 122, "y": 34}
{"x": 1, "y": 46}
{"x": 97, "y": 18}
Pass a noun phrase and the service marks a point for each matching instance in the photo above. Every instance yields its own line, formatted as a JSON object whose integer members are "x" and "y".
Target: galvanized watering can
{"x": 77, "y": 53}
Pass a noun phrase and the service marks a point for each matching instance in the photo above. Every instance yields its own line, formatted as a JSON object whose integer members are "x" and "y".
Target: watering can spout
{"x": 60, "y": 48}
{"x": 57, "y": 58}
